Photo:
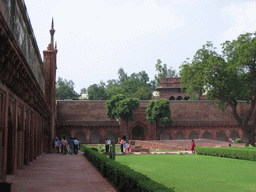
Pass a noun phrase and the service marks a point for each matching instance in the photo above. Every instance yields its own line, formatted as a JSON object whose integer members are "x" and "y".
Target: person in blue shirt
{"x": 71, "y": 143}
{"x": 58, "y": 145}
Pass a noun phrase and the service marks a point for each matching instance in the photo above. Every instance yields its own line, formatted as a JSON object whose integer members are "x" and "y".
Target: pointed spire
{"x": 52, "y": 31}
{"x": 52, "y": 23}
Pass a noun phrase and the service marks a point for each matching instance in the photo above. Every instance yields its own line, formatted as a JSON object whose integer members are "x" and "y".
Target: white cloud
{"x": 244, "y": 19}
{"x": 96, "y": 21}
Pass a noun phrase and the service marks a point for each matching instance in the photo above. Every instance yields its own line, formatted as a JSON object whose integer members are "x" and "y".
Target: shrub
{"x": 123, "y": 177}
{"x": 238, "y": 140}
{"x": 245, "y": 153}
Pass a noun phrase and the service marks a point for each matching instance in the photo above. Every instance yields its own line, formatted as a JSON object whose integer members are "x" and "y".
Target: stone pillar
{"x": 172, "y": 134}
{"x": 213, "y": 131}
{"x": 186, "y": 132}
{"x": 88, "y": 135}
{"x": 102, "y": 135}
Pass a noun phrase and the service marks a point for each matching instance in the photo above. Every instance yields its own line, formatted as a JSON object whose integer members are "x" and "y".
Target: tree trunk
{"x": 156, "y": 128}
{"x": 249, "y": 132}
{"x": 127, "y": 137}
{"x": 249, "y": 136}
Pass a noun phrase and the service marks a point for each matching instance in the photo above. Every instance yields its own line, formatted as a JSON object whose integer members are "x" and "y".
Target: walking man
{"x": 108, "y": 142}
{"x": 76, "y": 143}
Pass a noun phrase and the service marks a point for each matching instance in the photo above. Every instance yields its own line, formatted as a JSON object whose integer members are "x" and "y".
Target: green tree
{"x": 97, "y": 92}
{"x": 159, "y": 111}
{"x": 121, "y": 107}
{"x": 227, "y": 78}
{"x": 83, "y": 91}
{"x": 163, "y": 71}
{"x": 65, "y": 89}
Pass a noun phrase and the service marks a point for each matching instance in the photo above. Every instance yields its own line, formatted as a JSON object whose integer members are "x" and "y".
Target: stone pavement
{"x": 56, "y": 172}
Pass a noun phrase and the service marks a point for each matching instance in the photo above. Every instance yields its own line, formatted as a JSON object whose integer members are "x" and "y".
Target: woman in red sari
{"x": 193, "y": 146}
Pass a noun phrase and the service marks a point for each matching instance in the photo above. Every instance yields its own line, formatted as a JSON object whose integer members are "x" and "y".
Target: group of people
{"x": 63, "y": 146}
{"x": 125, "y": 146}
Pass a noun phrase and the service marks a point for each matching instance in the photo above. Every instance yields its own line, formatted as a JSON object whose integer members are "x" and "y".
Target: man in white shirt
{"x": 107, "y": 142}
{"x": 76, "y": 144}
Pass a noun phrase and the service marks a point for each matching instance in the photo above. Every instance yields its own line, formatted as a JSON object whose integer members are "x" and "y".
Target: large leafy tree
{"x": 97, "y": 92}
{"x": 121, "y": 107}
{"x": 227, "y": 78}
{"x": 65, "y": 89}
{"x": 159, "y": 111}
{"x": 163, "y": 71}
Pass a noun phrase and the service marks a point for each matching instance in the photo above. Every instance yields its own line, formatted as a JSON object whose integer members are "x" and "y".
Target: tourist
{"x": 230, "y": 141}
{"x": 128, "y": 146}
{"x": 58, "y": 145}
{"x": 122, "y": 144}
{"x": 71, "y": 143}
{"x": 64, "y": 144}
{"x": 193, "y": 146}
{"x": 107, "y": 143}
{"x": 55, "y": 146}
{"x": 76, "y": 144}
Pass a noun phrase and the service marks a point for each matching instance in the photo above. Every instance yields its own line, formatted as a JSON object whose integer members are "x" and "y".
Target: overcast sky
{"x": 97, "y": 37}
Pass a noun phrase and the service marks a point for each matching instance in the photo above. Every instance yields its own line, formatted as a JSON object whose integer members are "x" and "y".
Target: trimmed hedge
{"x": 123, "y": 177}
{"x": 245, "y": 153}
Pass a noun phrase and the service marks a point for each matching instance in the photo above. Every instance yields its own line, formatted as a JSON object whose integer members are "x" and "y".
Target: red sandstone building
{"x": 27, "y": 91}
{"x": 87, "y": 120}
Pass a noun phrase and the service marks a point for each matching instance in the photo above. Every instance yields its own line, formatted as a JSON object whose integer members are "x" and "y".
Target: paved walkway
{"x": 56, "y": 172}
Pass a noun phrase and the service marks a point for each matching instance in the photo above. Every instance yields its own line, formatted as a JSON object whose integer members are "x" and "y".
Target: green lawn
{"x": 195, "y": 173}
{"x": 118, "y": 149}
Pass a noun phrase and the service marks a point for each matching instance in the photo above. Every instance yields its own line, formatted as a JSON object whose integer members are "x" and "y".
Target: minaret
{"x": 50, "y": 56}
{"x": 52, "y": 31}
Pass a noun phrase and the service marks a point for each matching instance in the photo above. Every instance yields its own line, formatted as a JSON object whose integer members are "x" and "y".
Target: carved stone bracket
{"x": 14, "y": 73}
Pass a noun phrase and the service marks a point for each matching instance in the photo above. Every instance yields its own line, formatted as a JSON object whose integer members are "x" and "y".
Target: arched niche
{"x": 193, "y": 135}
{"x": 179, "y": 98}
{"x": 81, "y": 137}
{"x": 179, "y": 135}
{"x": 186, "y": 98}
{"x": 95, "y": 138}
{"x": 221, "y": 136}
{"x": 66, "y": 134}
{"x": 233, "y": 135}
{"x": 165, "y": 136}
{"x": 111, "y": 136}
{"x": 172, "y": 98}
{"x": 207, "y": 135}
{"x": 138, "y": 133}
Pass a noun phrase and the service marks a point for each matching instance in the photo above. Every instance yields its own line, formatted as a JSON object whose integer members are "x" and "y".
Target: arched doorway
{"x": 66, "y": 134}
{"x": 138, "y": 133}
{"x": 221, "y": 136}
{"x": 165, "y": 136}
{"x": 193, "y": 135}
{"x": 81, "y": 137}
{"x": 111, "y": 136}
{"x": 186, "y": 98}
{"x": 95, "y": 138}
{"x": 179, "y": 136}
{"x": 179, "y": 98}
{"x": 172, "y": 98}
{"x": 233, "y": 135}
{"x": 207, "y": 135}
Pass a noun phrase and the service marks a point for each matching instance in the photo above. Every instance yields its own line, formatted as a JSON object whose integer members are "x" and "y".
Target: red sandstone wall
{"x": 78, "y": 111}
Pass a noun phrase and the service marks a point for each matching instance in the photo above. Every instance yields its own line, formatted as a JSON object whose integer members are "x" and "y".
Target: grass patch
{"x": 117, "y": 147}
{"x": 162, "y": 150}
{"x": 195, "y": 172}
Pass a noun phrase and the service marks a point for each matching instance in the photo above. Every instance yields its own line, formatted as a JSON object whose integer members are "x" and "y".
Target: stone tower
{"x": 50, "y": 56}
